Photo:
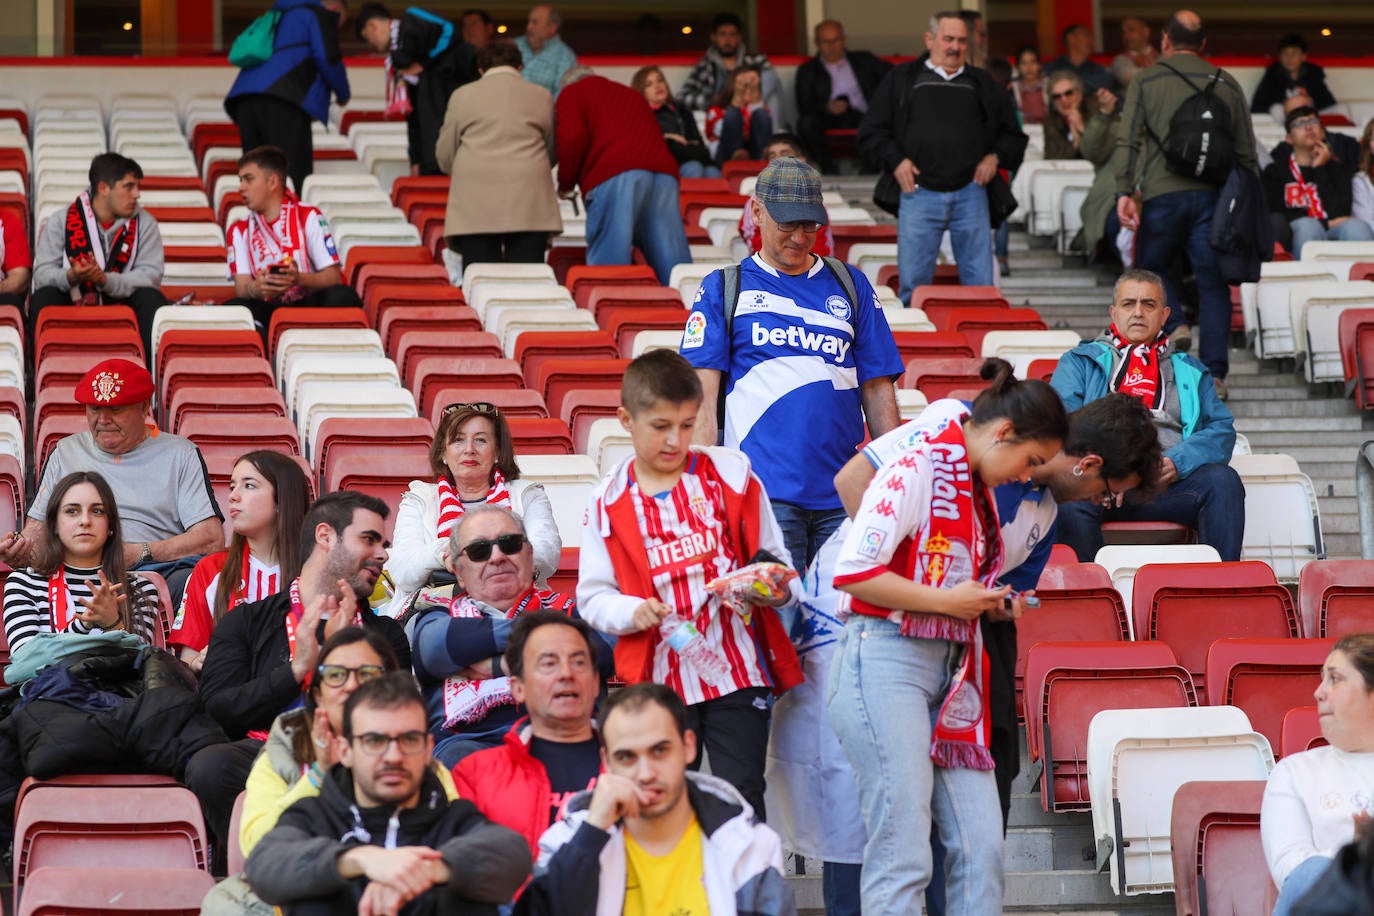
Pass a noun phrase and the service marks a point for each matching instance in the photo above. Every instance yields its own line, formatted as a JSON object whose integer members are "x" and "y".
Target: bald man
{"x": 546, "y": 57}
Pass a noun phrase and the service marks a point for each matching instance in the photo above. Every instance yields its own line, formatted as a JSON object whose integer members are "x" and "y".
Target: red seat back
{"x": 846, "y": 237}
{"x": 386, "y": 476}
{"x": 386, "y": 293}
{"x": 513, "y": 402}
{"x": 603, "y": 297}
{"x": 1074, "y": 575}
{"x": 258, "y": 401}
{"x": 1215, "y": 845}
{"x": 398, "y": 319}
{"x": 1364, "y": 365}
{"x": 584, "y": 406}
{"x": 1065, "y": 615}
{"x": 534, "y": 348}
{"x": 557, "y": 377}
{"x": 206, "y": 344}
{"x": 233, "y": 846}
{"x": 97, "y": 890}
{"x": 1265, "y": 677}
{"x": 435, "y": 373}
{"x": 938, "y": 299}
{"x": 363, "y": 434}
{"x": 1301, "y": 731}
{"x": 416, "y": 344}
{"x": 937, "y": 378}
{"x": 932, "y": 344}
{"x": 975, "y": 322}
{"x": 1336, "y": 597}
{"x": 540, "y": 436}
{"x": 584, "y": 279}
{"x": 1348, "y": 330}
{"x": 624, "y": 322}
{"x": 12, "y": 493}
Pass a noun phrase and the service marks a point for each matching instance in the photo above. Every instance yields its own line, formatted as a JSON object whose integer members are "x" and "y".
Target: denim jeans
{"x": 840, "y": 883}
{"x": 885, "y": 690}
{"x": 1306, "y": 229}
{"x": 1211, "y": 499}
{"x": 637, "y": 207}
{"x": 924, "y": 216}
{"x": 732, "y": 138}
{"x": 805, "y": 530}
{"x": 1299, "y": 881}
{"x": 1181, "y": 222}
{"x": 693, "y": 169}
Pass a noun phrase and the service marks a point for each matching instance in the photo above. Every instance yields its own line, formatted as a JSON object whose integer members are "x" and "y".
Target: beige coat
{"x": 497, "y": 143}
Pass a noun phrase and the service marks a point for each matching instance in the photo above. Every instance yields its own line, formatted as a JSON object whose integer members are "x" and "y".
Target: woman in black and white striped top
{"x": 78, "y": 582}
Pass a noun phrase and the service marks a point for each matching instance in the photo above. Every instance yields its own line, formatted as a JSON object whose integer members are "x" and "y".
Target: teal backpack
{"x": 255, "y": 43}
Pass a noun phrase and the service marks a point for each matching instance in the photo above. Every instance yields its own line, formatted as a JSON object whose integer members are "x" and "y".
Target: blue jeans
{"x": 885, "y": 690}
{"x": 805, "y": 530}
{"x": 1211, "y": 499}
{"x": 637, "y": 207}
{"x": 840, "y": 883}
{"x": 694, "y": 169}
{"x": 924, "y": 216}
{"x": 1181, "y": 223}
{"x": 1306, "y": 229}
{"x": 1299, "y": 881}
{"x": 732, "y": 138}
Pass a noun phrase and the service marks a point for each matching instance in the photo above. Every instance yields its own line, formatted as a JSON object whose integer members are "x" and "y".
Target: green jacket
{"x": 1153, "y": 97}
{"x": 1098, "y": 146}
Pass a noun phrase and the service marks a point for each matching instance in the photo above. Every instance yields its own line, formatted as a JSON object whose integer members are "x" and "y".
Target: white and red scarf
{"x": 451, "y": 505}
{"x": 1138, "y": 373}
{"x": 397, "y": 91}
{"x": 266, "y": 249}
{"x": 59, "y": 601}
{"x": 1304, "y": 193}
{"x": 82, "y": 237}
{"x": 2, "y": 252}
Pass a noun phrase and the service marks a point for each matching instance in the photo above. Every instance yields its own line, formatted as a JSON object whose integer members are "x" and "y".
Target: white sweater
{"x": 1309, "y": 804}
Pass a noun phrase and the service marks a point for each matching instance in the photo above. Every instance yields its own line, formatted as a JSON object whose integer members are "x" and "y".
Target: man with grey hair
{"x": 1134, "y": 356}
{"x": 458, "y": 636}
{"x": 546, "y": 55}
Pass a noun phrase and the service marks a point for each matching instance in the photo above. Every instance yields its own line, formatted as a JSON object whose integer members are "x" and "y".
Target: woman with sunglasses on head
{"x": 78, "y": 582}
{"x": 268, "y": 498}
{"x": 473, "y": 460}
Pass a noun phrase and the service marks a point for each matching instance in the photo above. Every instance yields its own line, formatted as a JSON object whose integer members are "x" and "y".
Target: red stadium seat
{"x": 97, "y": 890}
{"x": 259, "y": 401}
{"x": 162, "y": 630}
{"x": 583, "y": 279}
{"x": 286, "y": 318}
{"x": 1060, "y": 555}
{"x": 12, "y": 403}
{"x": 540, "y": 436}
{"x": 557, "y": 377}
{"x": 584, "y": 406}
{"x": 513, "y": 402}
{"x": 1336, "y": 597}
{"x": 106, "y": 341}
{"x": 1301, "y": 731}
{"x": 92, "y": 779}
{"x": 338, "y": 435}
{"x": 407, "y": 187}
{"x": 534, "y": 348}
{"x": 234, "y": 848}
{"x": 359, "y": 255}
{"x": 1348, "y": 330}
{"x": 691, "y": 205}
{"x": 416, "y": 344}
{"x": 10, "y": 317}
{"x": 1364, "y": 365}
{"x": 736, "y": 170}
{"x": 641, "y": 297}
{"x": 1042, "y": 369}
{"x": 975, "y": 321}
{"x": 15, "y": 203}
{"x": 398, "y": 319}
{"x": 54, "y": 429}
{"x": 625, "y": 321}
{"x": 408, "y": 276}
{"x": 213, "y": 133}
{"x": 1219, "y": 864}
{"x": 937, "y": 378}
{"x": 1190, "y": 605}
{"x": 1069, "y": 683}
{"x": 1265, "y": 677}
{"x": 65, "y": 371}
{"x": 54, "y": 400}
{"x": 563, "y": 258}
{"x": 384, "y": 474}
{"x": 938, "y": 300}
{"x": 201, "y": 294}
{"x": 206, "y": 344}
{"x": 565, "y": 579}
{"x": 1073, "y": 575}
{"x": 236, "y": 433}
{"x": 11, "y": 494}
{"x": 932, "y": 345}
{"x": 847, "y": 237}
{"x": 113, "y": 317}
{"x": 436, "y": 373}
{"x": 385, "y": 293}
{"x": 229, "y": 372}
{"x": 1364, "y": 270}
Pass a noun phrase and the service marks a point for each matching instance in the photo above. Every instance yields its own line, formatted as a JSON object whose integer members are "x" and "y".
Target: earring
{"x": 1077, "y": 471}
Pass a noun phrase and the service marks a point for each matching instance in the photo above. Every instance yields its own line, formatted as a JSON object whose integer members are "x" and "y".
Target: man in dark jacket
{"x": 1309, "y": 191}
{"x": 274, "y": 102}
{"x": 382, "y": 835}
{"x": 943, "y": 129}
{"x": 261, "y": 658}
{"x": 833, "y": 89}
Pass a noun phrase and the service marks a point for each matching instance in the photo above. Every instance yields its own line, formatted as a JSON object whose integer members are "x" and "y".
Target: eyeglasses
{"x": 1056, "y": 96}
{"x": 1111, "y": 499}
{"x": 804, "y": 225}
{"x": 479, "y": 551}
{"x": 1304, "y": 123}
{"x": 337, "y": 675}
{"x": 375, "y": 744}
{"x": 475, "y": 407}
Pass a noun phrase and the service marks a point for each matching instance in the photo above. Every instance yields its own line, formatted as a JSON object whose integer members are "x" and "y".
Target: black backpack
{"x": 1200, "y": 143}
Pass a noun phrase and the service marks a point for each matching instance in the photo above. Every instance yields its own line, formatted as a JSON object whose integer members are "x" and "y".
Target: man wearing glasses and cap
{"x": 382, "y": 833}
{"x": 458, "y": 642}
{"x": 799, "y": 346}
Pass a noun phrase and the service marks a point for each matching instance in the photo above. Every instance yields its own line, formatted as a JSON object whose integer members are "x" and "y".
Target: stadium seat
{"x": 54, "y": 429}
{"x": 233, "y": 847}
{"x": 386, "y": 475}
{"x": 99, "y": 890}
{"x": 568, "y": 481}
{"x": 937, "y": 378}
{"x": 337, "y": 435}
{"x": 416, "y": 344}
{"x": 625, "y": 322}
{"x": 162, "y": 629}
{"x": 360, "y": 255}
{"x": 686, "y": 278}
{"x": 1315, "y": 311}
{"x": 236, "y": 433}
{"x": 1336, "y": 597}
{"x": 1063, "y": 555}
{"x": 338, "y": 396}
{"x": 938, "y": 300}
{"x": 1137, "y": 759}
{"x": 540, "y": 436}
{"x": 1068, "y": 683}
{"x": 563, "y": 257}
{"x": 193, "y": 399}
{"x": 1265, "y": 678}
{"x": 398, "y": 319}
{"x": 475, "y": 275}
{"x": 1189, "y": 605}
{"x": 584, "y": 406}
{"x": 311, "y": 377}
{"x": 197, "y": 317}
{"x": 12, "y": 494}
{"x": 436, "y": 373}
{"x": 533, "y": 349}
{"x": 605, "y": 301}
{"x": 565, "y": 578}
{"x": 1271, "y": 318}
{"x": 1282, "y": 519}
{"x": 83, "y": 316}
{"x": 1024, "y": 348}
{"x": 1121, "y": 562}
{"x": 691, "y": 205}
{"x": 1352, "y": 323}
{"x": 513, "y": 402}
{"x": 232, "y": 371}
{"x": 975, "y": 321}
{"x": 585, "y": 279}
{"x": 1301, "y": 730}
{"x": 386, "y": 293}
{"x": 1214, "y": 838}
{"x": 932, "y": 345}
{"x": 736, "y": 170}
{"x": 557, "y": 377}
{"x": 207, "y": 344}
{"x": 1147, "y": 533}
{"x": 289, "y": 318}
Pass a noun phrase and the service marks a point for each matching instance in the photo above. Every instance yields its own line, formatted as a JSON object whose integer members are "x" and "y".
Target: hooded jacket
{"x": 298, "y": 859}
{"x": 305, "y": 66}
{"x": 581, "y": 869}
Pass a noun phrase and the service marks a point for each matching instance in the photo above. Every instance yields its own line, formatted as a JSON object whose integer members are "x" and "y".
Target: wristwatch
{"x": 147, "y": 555}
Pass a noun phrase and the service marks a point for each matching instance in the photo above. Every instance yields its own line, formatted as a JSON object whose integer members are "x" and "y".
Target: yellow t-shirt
{"x": 671, "y": 885}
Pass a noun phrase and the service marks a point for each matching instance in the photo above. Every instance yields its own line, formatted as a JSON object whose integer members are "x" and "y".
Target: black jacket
{"x": 246, "y": 681}
{"x": 813, "y": 80}
{"x": 897, "y": 126}
{"x": 448, "y": 61}
{"x": 297, "y": 859}
{"x": 674, "y": 119}
{"x": 1274, "y": 86}
{"x": 1241, "y": 233}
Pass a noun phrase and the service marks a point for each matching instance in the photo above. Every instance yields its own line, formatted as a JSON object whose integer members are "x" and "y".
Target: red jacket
{"x": 603, "y": 128}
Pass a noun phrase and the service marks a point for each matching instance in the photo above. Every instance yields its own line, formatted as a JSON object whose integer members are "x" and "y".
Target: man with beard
{"x": 262, "y": 657}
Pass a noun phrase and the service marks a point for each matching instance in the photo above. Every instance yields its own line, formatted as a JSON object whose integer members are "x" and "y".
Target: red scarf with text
{"x": 83, "y": 238}
{"x": 1138, "y": 373}
{"x": 1305, "y": 194}
{"x": 59, "y": 601}
{"x": 451, "y": 505}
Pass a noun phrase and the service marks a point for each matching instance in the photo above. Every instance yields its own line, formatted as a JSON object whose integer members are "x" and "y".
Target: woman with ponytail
{"x": 908, "y": 690}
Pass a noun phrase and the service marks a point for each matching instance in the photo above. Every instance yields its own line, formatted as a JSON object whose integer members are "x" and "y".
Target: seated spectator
{"x": 496, "y": 142}
{"x": 1068, "y": 116}
{"x": 1311, "y": 191}
{"x": 16, "y": 261}
{"x": 1343, "y": 146}
{"x": 262, "y": 656}
{"x": 268, "y": 496}
{"x": 77, "y": 583}
{"x": 381, "y": 834}
{"x": 1028, "y": 88}
{"x": 1101, "y": 226}
{"x": 652, "y": 837}
{"x": 300, "y": 751}
{"x": 1136, "y": 51}
{"x": 458, "y": 640}
{"x": 1291, "y": 71}
{"x": 474, "y": 464}
{"x": 679, "y": 126}
{"x": 545, "y": 54}
{"x": 779, "y": 146}
{"x": 161, "y": 487}
{"x": 424, "y": 64}
{"x": 479, "y": 29}
{"x": 609, "y": 144}
{"x": 103, "y": 249}
{"x": 1315, "y": 800}
{"x": 1196, "y": 431}
{"x": 738, "y": 121}
{"x": 1362, "y": 206}
{"x": 1077, "y": 57}
{"x": 282, "y": 252}
{"x": 553, "y": 754}
{"x": 727, "y": 54}
{"x": 833, "y": 89}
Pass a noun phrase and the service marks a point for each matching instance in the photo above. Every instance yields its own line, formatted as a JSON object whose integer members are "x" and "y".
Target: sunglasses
{"x": 803, "y": 225}
{"x": 475, "y": 406}
{"x": 337, "y": 675}
{"x": 479, "y": 551}
{"x": 374, "y": 744}
{"x": 1056, "y": 96}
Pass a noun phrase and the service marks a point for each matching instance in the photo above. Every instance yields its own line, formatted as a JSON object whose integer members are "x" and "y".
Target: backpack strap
{"x": 729, "y": 299}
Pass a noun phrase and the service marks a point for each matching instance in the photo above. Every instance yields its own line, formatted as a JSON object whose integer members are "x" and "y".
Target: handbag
{"x": 1001, "y": 203}
{"x": 887, "y": 194}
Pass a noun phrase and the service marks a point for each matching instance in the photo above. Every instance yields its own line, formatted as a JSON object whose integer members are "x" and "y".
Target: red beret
{"x": 114, "y": 383}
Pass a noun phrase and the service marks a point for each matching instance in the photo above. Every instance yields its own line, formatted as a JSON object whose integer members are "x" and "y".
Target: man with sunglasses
{"x": 459, "y": 641}
{"x": 382, "y": 834}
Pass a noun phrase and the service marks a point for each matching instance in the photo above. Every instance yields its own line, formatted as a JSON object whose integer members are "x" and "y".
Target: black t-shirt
{"x": 1333, "y": 183}
{"x": 571, "y": 768}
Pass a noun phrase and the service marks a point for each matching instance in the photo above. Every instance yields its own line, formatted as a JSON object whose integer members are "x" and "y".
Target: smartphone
{"x": 277, "y": 269}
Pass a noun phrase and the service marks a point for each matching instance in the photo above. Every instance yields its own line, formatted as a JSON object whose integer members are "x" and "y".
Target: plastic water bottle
{"x": 683, "y": 637}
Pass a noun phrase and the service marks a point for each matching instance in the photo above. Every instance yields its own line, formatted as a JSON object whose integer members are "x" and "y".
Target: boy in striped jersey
{"x": 663, "y": 524}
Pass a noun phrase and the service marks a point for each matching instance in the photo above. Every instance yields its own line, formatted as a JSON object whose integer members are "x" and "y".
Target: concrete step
{"x": 1052, "y": 280}
{"x": 1306, "y": 436}
{"x": 1059, "y": 890}
{"x": 1281, "y": 402}
{"x": 1254, "y": 426}
{"x": 1305, "y": 453}
{"x": 1331, "y": 470}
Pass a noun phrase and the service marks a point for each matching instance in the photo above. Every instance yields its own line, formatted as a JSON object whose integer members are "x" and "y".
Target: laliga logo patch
{"x": 694, "y": 335}
{"x": 106, "y": 386}
{"x": 838, "y": 306}
{"x": 872, "y": 543}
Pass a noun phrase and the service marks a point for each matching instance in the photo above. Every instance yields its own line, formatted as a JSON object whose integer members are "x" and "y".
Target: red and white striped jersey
{"x": 195, "y": 618}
